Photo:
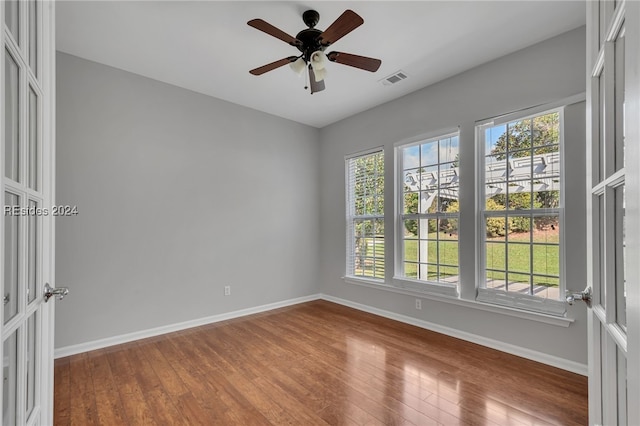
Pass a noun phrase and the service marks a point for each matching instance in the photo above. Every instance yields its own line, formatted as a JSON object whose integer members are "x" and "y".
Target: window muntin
{"x": 365, "y": 216}
{"x": 521, "y": 213}
{"x": 429, "y": 206}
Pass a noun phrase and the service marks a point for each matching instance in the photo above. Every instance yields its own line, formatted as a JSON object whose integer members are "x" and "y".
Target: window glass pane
{"x": 546, "y": 259}
{"x": 411, "y": 202}
{"x": 519, "y": 258}
{"x": 411, "y": 157}
{"x": 518, "y": 136}
{"x": 429, "y": 177}
{"x": 449, "y": 274}
{"x": 495, "y": 228}
{"x": 429, "y": 153}
{"x": 518, "y": 283}
{"x": 448, "y": 252}
{"x": 495, "y": 255}
{"x": 410, "y": 250}
{"x": 546, "y": 229}
{"x": 495, "y": 280}
{"x": 449, "y": 149}
{"x": 428, "y": 201}
{"x": 32, "y": 251}
{"x": 412, "y": 180}
{"x": 12, "y": 17}
{"x": 11, "y": 118}
{"x": 11, "y": 252}
{"x": 33, "y": 140}
{"x": 519, "y": 229}
{"x": 10, "y": 379}
{"x": 546, "y": 131}
{"x": 411, "y": 229}
{"x": 411, "y": 270}
{"x": 492, "y": 137}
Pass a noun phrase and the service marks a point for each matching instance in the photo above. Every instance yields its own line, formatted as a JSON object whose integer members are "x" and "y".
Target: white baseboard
{"x": 137, "y": 335}
{"x": 541, "y": 357}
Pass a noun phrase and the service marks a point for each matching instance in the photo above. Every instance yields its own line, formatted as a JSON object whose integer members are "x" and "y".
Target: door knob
{"x": 59, "y": 292}
{"x": 584, "y": 295}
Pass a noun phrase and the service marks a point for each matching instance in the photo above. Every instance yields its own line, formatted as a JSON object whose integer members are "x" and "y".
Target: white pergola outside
{"x": 538, "y": 173}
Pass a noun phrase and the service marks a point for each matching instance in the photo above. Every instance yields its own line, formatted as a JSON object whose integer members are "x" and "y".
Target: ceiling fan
{"x": 312, "y": 43}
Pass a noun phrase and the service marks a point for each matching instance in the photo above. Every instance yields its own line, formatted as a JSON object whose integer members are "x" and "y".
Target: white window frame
{"x": 351, "y": 217}
{"x": 500, "y": 297}
{"x": 399, "y": 278}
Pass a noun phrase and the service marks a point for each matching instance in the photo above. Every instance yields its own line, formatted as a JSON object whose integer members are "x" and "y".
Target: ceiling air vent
{"x": 394, "y": 78}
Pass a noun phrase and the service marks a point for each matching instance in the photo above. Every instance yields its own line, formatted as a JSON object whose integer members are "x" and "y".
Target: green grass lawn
{"x": 519, "y": 251}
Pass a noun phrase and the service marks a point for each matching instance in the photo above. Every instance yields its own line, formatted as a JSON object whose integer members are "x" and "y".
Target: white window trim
{"x": 349, "y": 236}
{"x": 556, "y": 320}
{"x": 401, "y": 281}
{"x": 500, "y": 297}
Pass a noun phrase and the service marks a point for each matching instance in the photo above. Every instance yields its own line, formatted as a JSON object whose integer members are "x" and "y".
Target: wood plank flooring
{"x": 315, "y": 363}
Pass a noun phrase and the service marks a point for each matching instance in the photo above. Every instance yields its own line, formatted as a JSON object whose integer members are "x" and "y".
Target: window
{"x": 521, "y": 212}
{"x": 365, "y": 215}
{"x": 428, "y": 207}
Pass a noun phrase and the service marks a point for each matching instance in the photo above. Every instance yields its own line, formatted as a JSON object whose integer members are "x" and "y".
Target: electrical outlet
{"x": 418, "y": 304}
{"x": 227, "y": 290}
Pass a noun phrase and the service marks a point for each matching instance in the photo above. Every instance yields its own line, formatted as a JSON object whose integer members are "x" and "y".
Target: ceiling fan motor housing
{"x": 310, "y": 42}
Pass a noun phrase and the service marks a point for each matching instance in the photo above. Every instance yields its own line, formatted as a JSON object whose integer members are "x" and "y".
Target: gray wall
{"x": 548, "y": 71}
{"x": 178, "y": 194}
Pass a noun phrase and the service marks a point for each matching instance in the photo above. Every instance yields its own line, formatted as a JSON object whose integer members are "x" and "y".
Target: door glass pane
{"x": 32, "y": 180}
{"x": 619, "y": 101}
{"x": 602, "y": 134}
{"x": 12, "y": 17}
{"x": 31, "y": 362}
{"x": 33, "y": 36}
{"x": 9, "y": 379}
{"x": 602, "y": 294}
{"x": 622, "y": 387}
{"x": 11, "y": 122}
{"x": 32, "y": 251}
{"x": 10, "y": 296}
{"x": 621, "y": 282}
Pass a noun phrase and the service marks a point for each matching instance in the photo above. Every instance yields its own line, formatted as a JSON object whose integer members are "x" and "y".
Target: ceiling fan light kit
{"x": 312, "y": 43}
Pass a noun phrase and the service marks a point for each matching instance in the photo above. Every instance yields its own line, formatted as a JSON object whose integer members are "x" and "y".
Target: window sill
{"x": 561, "y": 321}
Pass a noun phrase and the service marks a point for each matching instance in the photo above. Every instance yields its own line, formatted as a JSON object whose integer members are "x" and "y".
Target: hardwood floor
{"x": 313, "y": 363}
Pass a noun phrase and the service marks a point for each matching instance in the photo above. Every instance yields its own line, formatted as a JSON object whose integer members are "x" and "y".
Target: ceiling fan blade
{"x": 273, "y": 65}
{"x": 347, "y": 22}
{"x": 266, "y": 27}
{"x": 316, "y": 86}
{"x": 362, "y": 62}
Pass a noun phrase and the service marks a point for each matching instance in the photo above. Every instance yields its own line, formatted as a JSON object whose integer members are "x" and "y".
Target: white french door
{"x": 613, "y": 148}
{"x": 26, "y": 165}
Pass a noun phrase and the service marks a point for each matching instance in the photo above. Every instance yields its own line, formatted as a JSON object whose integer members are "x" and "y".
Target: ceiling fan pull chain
{"x": 306, "y": 80}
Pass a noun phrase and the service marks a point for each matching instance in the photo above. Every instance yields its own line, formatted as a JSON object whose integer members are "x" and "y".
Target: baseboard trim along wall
{"x": 157, "y": 331}
{"x": 541, "y": 357}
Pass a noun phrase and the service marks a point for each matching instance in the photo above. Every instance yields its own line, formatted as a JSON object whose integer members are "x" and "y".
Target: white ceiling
{"x": 208, "y": 47}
